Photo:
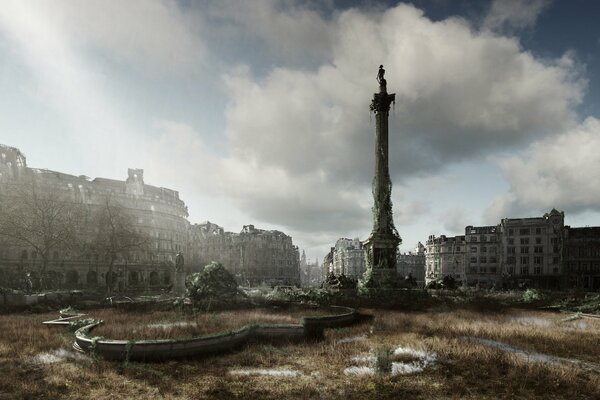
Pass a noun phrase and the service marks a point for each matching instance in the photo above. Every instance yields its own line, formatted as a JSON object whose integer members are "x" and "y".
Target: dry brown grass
{"x": 170, "y": 325}
{"x": 464, "y": 369}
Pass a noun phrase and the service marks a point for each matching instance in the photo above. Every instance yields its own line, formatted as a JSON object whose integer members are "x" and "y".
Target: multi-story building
{"x": 581, "y": 258}
{"x": 445, "y": 256}
{"x": 412, "y": 264}
{"x": 155, "y": 211}
{"x": 349, "y": 258}
{"x": 532, "y": 248}
{"x": 483, "y": 258}
{"x": 254, "y": 256}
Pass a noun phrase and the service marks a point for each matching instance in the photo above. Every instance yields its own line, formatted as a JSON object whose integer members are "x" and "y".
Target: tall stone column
{"x": 382, "y": 244}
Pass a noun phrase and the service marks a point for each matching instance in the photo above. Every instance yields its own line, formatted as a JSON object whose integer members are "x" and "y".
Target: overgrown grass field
{"x": 37, "y": 361}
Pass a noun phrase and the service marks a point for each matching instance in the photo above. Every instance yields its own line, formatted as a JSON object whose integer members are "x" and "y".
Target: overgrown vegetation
{"x": 464, "y": 368}
{"x": 213, "y": 283}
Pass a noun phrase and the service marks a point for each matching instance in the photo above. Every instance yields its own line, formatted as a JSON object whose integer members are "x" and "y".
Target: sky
{"x": 257, "y": 112}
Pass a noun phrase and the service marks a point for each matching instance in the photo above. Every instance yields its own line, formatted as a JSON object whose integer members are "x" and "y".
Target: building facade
{"x": 581, "y": 258}
{"x": 349, "y": 258}
{"x": 311, "y": 273}
{"x": 154, "y": 211}
{"x": 445, "y": 256}
{"x": 484, "y": 255}
{"x": 254, "y": 256}
{"x": 532, "y": 250}
{"x": 412, "y": 264}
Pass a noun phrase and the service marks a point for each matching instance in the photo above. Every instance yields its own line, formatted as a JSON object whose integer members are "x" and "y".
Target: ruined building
{"x": 155, "y": 211}
{"x": 254, "y": 256}
{"x": 349, "y": 258}
{"x": 412, "y": 264}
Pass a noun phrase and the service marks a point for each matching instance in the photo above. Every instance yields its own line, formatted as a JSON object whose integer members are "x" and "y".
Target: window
{"x": 538, "y": 240}
{"x": 524, "y": 241}
{"x": 493, "y": 270}
{"x": 524, "y": 250}
{"x": 511, "y": 260}
{"x": 510, "y": 250}
{"x": 537, "y": 260}
{"x": 538, "y": 231}
{"x": 473, "y": 238}
{"x": 538, "y": 249}
{"x": 473, "y": 249}
{"x": 524, "y": 270}
{"x": 493, "y": 260}
{"x": 492, "y": 250}
{"x": 510, "y": 232}
{"x": 473, "y": 260}
{"x": 524, "y": 260}
{"x": 492, "y": 238}
{"x": 524, "y": 231}
{"x": 483, "y": 249}
{"x": 482, "y": 238}
{"x": 511, "y": 241}
{"x": 537, "y": 270}
{"x": 482, "y": 270}
{"x": 483, "y": 260}
{"x": 554, "y": 260}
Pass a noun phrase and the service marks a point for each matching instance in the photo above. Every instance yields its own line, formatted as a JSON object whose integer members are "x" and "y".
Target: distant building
{"x": 532, "y": 249}
{"x": 412, "y": 264}
{"x": 445, "y": 256}
{"x": 254, "y": 256}
{"x": 523, "y": 252}
{"x": 349, "y": 258}
{"x": 581, "y": 258}
{"x": 156, "y": 211}
{"x": 311, "y": 274}
{"x": 483, "y": 259}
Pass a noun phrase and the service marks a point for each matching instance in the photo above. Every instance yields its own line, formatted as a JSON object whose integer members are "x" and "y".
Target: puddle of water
{"x": 351, "y": 339}
{"x": 288, "y": 373}
{"x": 167, "y": 325}
{"x": 56, "y": 356}
{"x": 529, "y": 356}
{"x": 359, "y": 371}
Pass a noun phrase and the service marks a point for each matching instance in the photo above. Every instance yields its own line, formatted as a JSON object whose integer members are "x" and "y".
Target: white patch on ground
{"x": 532, "y": 321}
{"x": 364, "y": 359}
{"x": 56, "y": 356}
{"x": 359, "y": 371}
{"x": 351, "y": 339}
{"x": 168, "y": 325}
{"x": 424, "y": 359}
{"x": 288, "y": 373}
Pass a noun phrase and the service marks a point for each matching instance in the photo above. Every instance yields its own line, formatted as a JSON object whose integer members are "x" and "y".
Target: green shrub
{"x": 533, "y": 295}
{"x": 213, "y": 283}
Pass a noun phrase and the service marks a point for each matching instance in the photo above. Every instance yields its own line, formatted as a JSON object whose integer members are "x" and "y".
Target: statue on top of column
{"x": 381, "y": 80}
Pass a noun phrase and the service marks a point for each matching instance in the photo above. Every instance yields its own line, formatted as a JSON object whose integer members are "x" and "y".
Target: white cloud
{"x": 512, "y": 15}
{"x": 459, "y": 94}
{"x": 558, "y": 172}
{"x": 454, "y": 220}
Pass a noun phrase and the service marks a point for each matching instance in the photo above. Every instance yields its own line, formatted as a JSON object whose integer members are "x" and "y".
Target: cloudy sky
{"x": 258, "y": 111}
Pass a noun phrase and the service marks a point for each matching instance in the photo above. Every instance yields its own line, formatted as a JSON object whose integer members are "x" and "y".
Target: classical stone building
{"x": 445, "y": 256}
{"x": 524, "y": 252}
{"x": 532, "y": 248}
{"x": 412, "y": 264}
{"x": 155, "y": 211}
{"x": 483, "y": 258}
{"x": 349, "y": 258}
{"x": 254, "y": 256}
{"x": 581, "y": 257}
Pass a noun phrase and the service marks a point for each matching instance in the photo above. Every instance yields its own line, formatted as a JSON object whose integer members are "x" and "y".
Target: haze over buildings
{"x": 257, "y": 112}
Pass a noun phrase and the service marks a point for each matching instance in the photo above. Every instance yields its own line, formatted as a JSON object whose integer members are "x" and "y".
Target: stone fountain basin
{"x": 166, "y": 349}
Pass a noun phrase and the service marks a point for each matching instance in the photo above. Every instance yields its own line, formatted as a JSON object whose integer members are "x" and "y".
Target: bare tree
{"x": 115, "y": 236}
{"x": 43, "y": 219}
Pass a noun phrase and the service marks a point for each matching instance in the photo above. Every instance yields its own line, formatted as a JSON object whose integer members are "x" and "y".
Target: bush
{"x": 213, "y": 283}
{"x": 533, "y": 295}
